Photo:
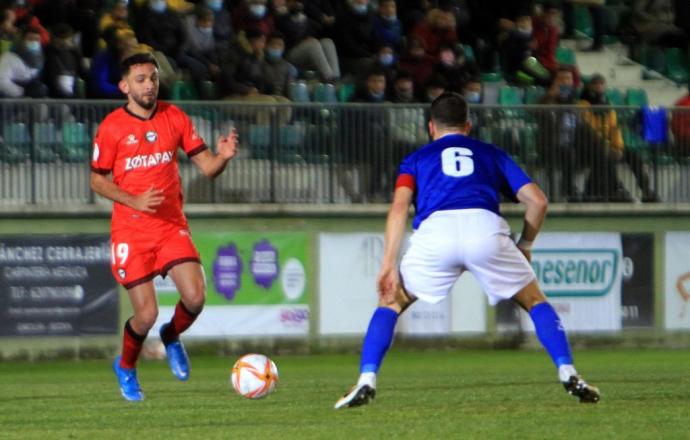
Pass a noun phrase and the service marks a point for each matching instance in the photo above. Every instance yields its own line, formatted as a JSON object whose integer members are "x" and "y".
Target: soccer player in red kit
{"x": 137, "y": 144}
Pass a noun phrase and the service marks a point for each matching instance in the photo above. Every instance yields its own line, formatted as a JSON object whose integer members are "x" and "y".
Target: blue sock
{"x": 551, "y": 333}
{"x": 378, "y": 339}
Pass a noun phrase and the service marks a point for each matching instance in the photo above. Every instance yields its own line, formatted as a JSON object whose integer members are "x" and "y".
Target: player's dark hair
{"x": 449, "y": 110}
{"x": 137, "y": 58}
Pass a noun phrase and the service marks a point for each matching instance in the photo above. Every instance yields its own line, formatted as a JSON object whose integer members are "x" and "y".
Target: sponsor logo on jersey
{"x": 184, "y": 232}
{"x": 121, "y": 273}
{"x": 576, "y": 272}
{"x": 96, "y": 152}
{"x": 151, "y": 136}
{"x": 131, "y": 140}
{"x": 148, "y": 160}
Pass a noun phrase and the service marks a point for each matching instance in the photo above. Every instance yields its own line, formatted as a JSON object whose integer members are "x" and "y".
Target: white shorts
{"x": 449, "y": 242}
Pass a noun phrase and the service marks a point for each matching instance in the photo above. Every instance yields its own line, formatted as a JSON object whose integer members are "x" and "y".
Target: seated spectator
{"x": 403, "y": 91}
{"x": 434, "y": 88}
{"x": 387, "y": 61}
{"x": 680, "y": 126}
{"x": 104, "y": 74}
{"x": 354, "y": 26}
{"x": 64, "y": 64}
{"x": 569, "y": 143}
{"x": 252, "y": 14}
{"x": 21, "y": 68}
{"x": 387, "y": 27}
{"x": 605, "y": 124}
{"x": 545, "y": 34}
{"x": 223, "y": 31}
{"x": 303, "y": 49}
{"x": 278, "y": 70}
{"x": 415, "y": 61}
{"x": 655, "y": 22}
{"x": 519, "y": 63}
{"x": 8, "y": 31}
{"x": 201, "y": 43}
{"x": 25, "y": 18}
{"x": 373, "y": 90}
{"x": 322, "y": 14}
{"x": 455, "y": 69}
{"x": 472, "y": 90}
{"x": 117, "y": 16}
{"x": 596, "y": 12}
{"x": 438, "y": 28}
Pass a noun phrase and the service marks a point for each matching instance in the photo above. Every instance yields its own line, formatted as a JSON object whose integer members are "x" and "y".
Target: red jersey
{"x": 141, "y": 153}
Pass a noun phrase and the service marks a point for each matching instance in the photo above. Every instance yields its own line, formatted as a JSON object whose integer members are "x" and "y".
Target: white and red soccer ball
{"x": 254, "y": 376}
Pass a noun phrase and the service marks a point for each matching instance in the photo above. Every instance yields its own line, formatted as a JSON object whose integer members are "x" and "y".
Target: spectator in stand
{"x": 604, "y": 123}
{"x": 438, "y": 28}
{"x": 545, "y": 34}
{"x": 387, "y": 27}
{"x": 472, "y": 90}
{"x": 201, "y": 43}
{"x": 413, "y": 12}
{"x": 117, "y": 16}
{"x": 8, "y": 31}
{"x": 21, "y": 68}
{"x": 387, "y": 60}
{"x": 223, "y": 31}
{"x": 435, "y": 87}
{"x": 25, "y": 18}
{"x": 520, "y": 65}
{"x": 655, "y": 22}
{"x": 252, "y": 14}
{"x": 354, "y": 27}
{"x": 303, "y": 49}
{"x": 596, "y": 11}
{"x": 680, "y": 126}
{"x": 322, "y": 14}
{"x": 64, "y": 64}
{"x": 568, "y": 143}
{"x": 105, "y": 75}
{"x": 403, "y": 91}
{"x": 279, "y": 71}
{"x": 416, "y": 61}
{"x": 373, "y": 90}
{"x": 454, "y": 67}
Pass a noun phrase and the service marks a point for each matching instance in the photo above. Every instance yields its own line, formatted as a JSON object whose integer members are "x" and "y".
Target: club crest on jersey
{"x": 148, "y": 160}
{"x": 151, "y": 136}
{"x": 121, "y": 273}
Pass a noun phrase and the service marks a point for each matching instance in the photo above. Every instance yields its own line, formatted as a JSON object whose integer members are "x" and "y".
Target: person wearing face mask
{"x": 253, "y": 14}
{"x": 454, "y": 67}
{"x": 415, "y": 60}
{"x": 64, "y": 63}
{"x": 568, "y": 143}
{"x": 604, "y": 123}
{"x": 20, "y": 68}
{"x": 278, "y": 70}
{"x": 223, "y": 31}
{"x": 354, "y": 26}
{"x": 438, "y": 28}
{"x": 302, "y": 48}
{"x": 201, "y": 43}
{"x": 387, "y": 27}
{"x": 387, "y": 61}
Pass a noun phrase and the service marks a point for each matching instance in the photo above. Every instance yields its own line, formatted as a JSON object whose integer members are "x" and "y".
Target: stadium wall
{"x": 311, "y": 221}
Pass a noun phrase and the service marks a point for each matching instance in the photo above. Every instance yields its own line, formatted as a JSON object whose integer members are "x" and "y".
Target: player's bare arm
{"x": 148, "y": 201}
{"x": 212, "y": 164}
{"x": 388, "y": 281}
{"x": 535, "y": 199}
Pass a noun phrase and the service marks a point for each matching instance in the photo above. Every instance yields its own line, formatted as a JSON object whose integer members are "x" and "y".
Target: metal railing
{"x": 347, "y": 153}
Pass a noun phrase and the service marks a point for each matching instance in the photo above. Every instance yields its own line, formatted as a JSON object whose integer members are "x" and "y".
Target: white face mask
{"x": 258, "y": 11}
{"x": 158, "y": 5}
{"x": 66, "y": 84}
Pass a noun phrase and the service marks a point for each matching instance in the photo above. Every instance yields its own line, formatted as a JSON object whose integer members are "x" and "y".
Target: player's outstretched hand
{"x": 387, "y": 284}
{"x": 227, "y": 145}
{"x": 149, "y": 200}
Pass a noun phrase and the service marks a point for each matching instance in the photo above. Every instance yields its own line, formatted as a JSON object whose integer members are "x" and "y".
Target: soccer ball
{"x": 254, "y": 376}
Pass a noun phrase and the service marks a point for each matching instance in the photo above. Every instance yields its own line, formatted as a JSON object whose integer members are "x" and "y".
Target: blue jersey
{"x": 458, "y": 172}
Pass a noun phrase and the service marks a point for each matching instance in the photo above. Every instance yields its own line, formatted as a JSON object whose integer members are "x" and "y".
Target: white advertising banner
{"x": 677, "y": 280}
{"x": 581, "y": 276}
{"x": 349, "y": 264}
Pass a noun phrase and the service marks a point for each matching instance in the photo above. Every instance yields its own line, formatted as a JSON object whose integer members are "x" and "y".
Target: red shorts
{"x": 137, "y": 256}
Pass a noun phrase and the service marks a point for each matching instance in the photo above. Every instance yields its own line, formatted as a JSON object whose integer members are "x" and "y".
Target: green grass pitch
{"x": 421, "y": 395}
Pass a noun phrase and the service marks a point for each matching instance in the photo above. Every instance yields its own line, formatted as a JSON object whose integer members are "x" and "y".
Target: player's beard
{"x": 145, "y": 102}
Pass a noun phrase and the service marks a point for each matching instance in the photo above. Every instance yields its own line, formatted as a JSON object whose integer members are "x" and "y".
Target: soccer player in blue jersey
{"x": 455, "y": 183}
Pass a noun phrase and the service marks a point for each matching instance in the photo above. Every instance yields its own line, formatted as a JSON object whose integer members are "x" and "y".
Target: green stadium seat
{"x": 80, "y": 89}
{"x": 469, "y": 52}
{"x": 298, "y": 91}
{"x": 614, "y": 96}
{"x": 325, "y": 93}
{"x": 677, "y": 65}
{"x": 653, "y": 58}
{"x": 534, "y": 94}
{"x": 182, "y": 90}
{"x": 508, "y": 95}
{"x": 259, "y": 139}
{"x": 636, "y": 97}
{"x": 583, "y": 21}
{"x": 291, "y": 143}
{"x": 16, "y": 145}
{"x": 345, "y": 92}
{"x": 208, "y": 90}
{"x": 45, "y": 142}
{"x": 566, "y": 56}
{"x": 75, "y": 142}
{"x": 491, "y": 77}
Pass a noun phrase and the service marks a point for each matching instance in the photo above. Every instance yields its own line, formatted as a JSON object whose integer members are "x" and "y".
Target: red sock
{"x": 182, "y": 319}
{"x": 131, "y": 346}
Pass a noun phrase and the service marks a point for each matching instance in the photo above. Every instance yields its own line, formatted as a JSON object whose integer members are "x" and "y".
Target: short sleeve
{"x": 406, "y": 173}
{"x": 104, "y": 150}
{"x": 192, "y": 143}
{"x": 514, "y": 176}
